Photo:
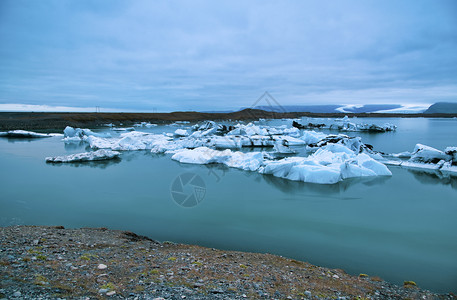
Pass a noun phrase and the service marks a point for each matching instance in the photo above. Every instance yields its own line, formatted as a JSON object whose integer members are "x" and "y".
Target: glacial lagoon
{"x": 400, "y": 227}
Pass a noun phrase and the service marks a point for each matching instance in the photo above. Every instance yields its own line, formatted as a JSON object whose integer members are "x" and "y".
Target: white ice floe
{"x": 123, "y": 128}
{"x": 251, "y": 129}
{"x": 428, "y": 158}
{"x": 353, "y": 143}
{"x": 101, "y": 154}
{"x": 349, "y": 126}
{"x": 128, "y": 141}
{"x": 345, "y": 125}
{"x": 181, "y": 132}
{"x": 426, "y": 154}
{"x": 144, "y": 124}
{"x": 78, "y": 134}
{"x": 27, "y": 134}
{"x": 250, "y": 161}
{"x": 405, "y": 154}
{"x": 283, "y": 149}
{"x": 327, "y": 165}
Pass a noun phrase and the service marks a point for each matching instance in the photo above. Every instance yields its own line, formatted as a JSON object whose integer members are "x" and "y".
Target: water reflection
{"x": 434, "y": 177}
{"x": 14, "y": 140}
{"x": 289, "y": 186}
{"x": 101, "y": 164}
{"x": 296, "y": 187}
{"x": 74, "y": 145}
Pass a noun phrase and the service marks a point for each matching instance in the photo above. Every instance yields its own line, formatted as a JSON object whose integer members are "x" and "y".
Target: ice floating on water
{"x": 78, "y": 134}
{"x": 345, "y": 125}
{"x": 181, "y": 132}
{"x": 27, "y": 134}
{"x": 128, "y": 141}
{"x": 330, "y": 164}
{"x": 144, "y": 124}
{"x": 101, "y": 154}
{"x": 250, "y": 161}
{"x": 425, "y": 157}
{"x": 283, "y": 149}
{"x": 123, "y": 129}
{"x": 327, "y": 165}
{"x": 353, "y": 143}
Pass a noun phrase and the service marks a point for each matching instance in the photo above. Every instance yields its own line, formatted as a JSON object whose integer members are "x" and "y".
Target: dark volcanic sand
{"x": 39, "y": 120}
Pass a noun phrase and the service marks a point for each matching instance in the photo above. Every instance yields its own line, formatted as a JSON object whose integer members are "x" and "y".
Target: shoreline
{"x": 52, "y": 262}
{"x": 58, "y": 120}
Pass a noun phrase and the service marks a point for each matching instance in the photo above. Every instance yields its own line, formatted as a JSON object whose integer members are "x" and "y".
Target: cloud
{"x": 202, "y": 55}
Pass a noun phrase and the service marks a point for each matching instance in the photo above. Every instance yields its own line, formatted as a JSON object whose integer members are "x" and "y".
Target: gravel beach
{"x": 98, "y": 263}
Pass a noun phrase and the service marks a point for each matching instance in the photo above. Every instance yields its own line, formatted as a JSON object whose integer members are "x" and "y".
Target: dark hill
{"x": 442, "y": 108}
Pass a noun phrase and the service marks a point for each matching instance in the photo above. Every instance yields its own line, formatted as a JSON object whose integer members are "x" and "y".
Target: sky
{"x": 143, "y": 55}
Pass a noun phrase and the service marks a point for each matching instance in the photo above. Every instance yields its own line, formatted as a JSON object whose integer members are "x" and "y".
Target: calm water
{"x": 400, "y": 228}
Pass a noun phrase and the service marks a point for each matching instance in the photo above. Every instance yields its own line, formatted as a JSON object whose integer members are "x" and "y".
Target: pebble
{"x": 307, "y": 294}
{"x": 102, "y": 267}
{"x": 110, "y": 293}
{"x": 103, "y": 291}
{"x": 17, "y": 294}
{"x": 336, "y": 276}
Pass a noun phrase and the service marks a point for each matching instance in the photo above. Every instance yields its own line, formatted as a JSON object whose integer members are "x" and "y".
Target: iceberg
{"x": 353, "y": 143}
{"x": 426, "y": 154}
{"x": 181, "y": 132}
{"x": 428, "y": 158}
{"x": 250, "y": 161}
{"x": 128, "y": 141}
{"x": 345, "y": 125}
{"x": 27, "y": 134}
{"x": 78, "y": 134}
{"x": 123, "y": 128}
{"x": 144, "y": 124}
{"x": 329, "y": 164}
{"x": 101, "y": 154}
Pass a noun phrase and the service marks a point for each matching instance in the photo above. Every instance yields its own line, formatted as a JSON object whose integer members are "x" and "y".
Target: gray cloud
{"x": 198, "y": 55}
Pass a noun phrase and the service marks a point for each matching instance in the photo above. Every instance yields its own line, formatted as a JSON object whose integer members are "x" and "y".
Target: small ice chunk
{"x": 78, "y": 134}
{"x": 101, "y": 154}
{"x": 181, "y": 132}
{"x": 26, "y": 134}
{"x": 123, "y": 129}
{"x": 426, "y": 154}
{"x": 405, "y": 154}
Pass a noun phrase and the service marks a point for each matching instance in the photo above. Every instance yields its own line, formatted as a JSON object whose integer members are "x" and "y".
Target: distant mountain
{"x": 442, "y": 108}
{"x": 301, "y": 108}
{"x": 353, "y": 108}
{"x": 219, "y": 111}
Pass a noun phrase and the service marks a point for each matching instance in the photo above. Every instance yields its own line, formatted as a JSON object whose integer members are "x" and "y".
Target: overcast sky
{"x": 215, "y": 55}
